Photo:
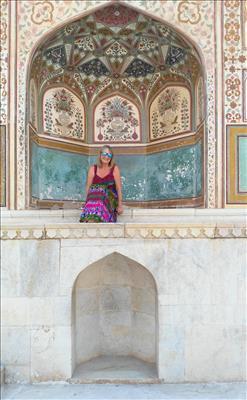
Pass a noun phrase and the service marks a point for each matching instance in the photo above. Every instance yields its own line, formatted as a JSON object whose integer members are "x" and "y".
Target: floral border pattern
{"x": 4, "y": 25}
{"x": 52, "y": 13}
{"x": 234, "y": 61}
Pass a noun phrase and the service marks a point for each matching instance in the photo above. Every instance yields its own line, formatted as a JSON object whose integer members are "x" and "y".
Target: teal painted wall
{"x": 60, "y": 175}
{"x": 242, "y": 164}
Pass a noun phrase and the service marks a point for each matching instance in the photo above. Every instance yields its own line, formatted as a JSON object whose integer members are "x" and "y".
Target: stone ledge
{"x": 127, "y": 230}
{"x": 183, "y": 223}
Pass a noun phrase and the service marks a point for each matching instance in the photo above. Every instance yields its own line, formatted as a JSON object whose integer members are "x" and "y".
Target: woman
{"x": 103, "y": 190}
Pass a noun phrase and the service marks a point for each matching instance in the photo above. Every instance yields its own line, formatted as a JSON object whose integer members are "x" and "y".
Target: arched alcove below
{"x": 114, "y": 308}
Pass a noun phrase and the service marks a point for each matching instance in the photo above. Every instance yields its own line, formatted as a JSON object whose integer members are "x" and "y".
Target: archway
{"x": 118, "y": 75}
{"x": 115, "y": 322}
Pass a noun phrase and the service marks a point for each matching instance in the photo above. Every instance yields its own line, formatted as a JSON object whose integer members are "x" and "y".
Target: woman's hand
{"x": 120, "y": 209}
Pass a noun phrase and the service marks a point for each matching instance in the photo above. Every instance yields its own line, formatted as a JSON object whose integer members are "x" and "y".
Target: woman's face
{"x": 105, "y": 156}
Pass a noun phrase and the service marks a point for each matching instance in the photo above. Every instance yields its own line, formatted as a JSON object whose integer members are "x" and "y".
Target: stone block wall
{"x": 199, "y": 272}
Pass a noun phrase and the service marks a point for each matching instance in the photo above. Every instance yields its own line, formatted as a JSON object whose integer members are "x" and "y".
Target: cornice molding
{"x": 142, "y": 231}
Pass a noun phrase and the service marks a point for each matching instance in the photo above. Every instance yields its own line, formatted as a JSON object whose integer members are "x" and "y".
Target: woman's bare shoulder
{"x": 91, "y": 169}
{"x": 116, "y": 169}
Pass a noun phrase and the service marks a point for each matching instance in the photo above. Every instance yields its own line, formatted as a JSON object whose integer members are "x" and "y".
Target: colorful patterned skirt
{"x": 101, "y": 204}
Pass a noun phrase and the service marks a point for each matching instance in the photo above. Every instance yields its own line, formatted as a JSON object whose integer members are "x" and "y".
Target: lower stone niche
{"x": 114, "y": 322}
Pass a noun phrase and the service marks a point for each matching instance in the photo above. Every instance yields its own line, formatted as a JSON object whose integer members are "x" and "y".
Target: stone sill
{"x": 135, "y": 223}
{"x": 130, "y": 214}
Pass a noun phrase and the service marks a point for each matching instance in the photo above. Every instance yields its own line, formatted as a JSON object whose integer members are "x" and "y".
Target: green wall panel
{"x": 59, "y": 175}
{"x": 242, "y": 164}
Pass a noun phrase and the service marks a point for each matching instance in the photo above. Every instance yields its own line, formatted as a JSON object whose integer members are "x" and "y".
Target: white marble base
{"x": 196, "y": 258}
{"x": 63, "y": 391}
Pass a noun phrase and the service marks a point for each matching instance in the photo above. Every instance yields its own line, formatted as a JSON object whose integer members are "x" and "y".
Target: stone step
{"x": 115, "y": 370}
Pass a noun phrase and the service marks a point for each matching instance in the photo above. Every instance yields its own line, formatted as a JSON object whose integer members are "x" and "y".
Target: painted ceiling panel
{"x": 119, "y": 43}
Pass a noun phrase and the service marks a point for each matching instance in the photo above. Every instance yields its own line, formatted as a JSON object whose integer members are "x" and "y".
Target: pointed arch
{"x": 114, "y": 302}
{"x": 130, "y": 55}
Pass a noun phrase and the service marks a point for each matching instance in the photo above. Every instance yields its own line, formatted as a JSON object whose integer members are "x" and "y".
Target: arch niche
{"x": 115, "y": 320}
{"x": 118, "y": 75}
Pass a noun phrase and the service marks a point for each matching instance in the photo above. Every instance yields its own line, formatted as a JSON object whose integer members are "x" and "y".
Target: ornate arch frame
{"x": 58, "y": 26}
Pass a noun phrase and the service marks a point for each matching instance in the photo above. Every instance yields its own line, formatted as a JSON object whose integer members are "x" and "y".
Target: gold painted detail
{"x": 233, "y": 196}
{"x": 148, "y": 148}
{"x": 42, "y": 12}
{"x": 189, "y": 12}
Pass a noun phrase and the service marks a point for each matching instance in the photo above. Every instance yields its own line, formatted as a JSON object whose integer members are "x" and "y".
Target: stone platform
{"x": 214, "y": 391}
{"x": 168, "y": 286}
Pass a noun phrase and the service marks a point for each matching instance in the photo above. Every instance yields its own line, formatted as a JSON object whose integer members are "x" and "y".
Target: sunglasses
{"x": 109, "y": 155}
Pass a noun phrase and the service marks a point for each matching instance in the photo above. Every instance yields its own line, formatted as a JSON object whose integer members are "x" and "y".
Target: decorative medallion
{"x": 116, "y": 15}
{"x": 116, "y": 50}
{"x": 189, "y": 12}
{"x": 42, "y": 12}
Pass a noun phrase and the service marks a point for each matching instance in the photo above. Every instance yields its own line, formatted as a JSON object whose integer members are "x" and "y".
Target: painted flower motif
{"x": 233, "y": 117}
{"x": 232, "y": 69}
{"x": 169, "y": 100}
{"x": 232, "y": 31}
{"x": 232, "y": 87}
{"x": 189, "y": 12}
{"x": 232, "y": 4}
{"x": 242, "y": 58}
{"x": 143, "y": 89}
{"x": 63, "y": 101}
{"x": 90, "y": 89}
{"x": 42, "y": 12}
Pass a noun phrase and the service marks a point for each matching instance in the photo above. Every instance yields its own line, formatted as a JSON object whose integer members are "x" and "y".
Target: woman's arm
{"x": 117, "y": 177}
{"x": 90, "y": 176}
